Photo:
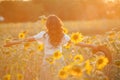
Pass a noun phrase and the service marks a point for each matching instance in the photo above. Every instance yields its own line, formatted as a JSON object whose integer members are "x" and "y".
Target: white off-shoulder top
{"x": 43, "y": 38}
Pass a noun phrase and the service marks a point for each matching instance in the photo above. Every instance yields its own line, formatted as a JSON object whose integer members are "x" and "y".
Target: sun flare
{"x": 107, "y": 1}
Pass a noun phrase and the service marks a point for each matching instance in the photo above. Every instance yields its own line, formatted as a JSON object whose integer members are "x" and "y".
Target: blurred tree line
{"x": 19, "y": 11}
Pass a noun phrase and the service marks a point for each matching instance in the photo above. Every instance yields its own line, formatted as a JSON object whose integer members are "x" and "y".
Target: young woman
{"x": 53, "y": 39}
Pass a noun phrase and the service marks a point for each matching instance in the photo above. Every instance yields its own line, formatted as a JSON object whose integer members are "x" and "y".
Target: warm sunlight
{"x": 59, "y": 39}
{"x": 26, "y": 0}
{"x": 107, "y": 1}
{"x": 15, "y": 0}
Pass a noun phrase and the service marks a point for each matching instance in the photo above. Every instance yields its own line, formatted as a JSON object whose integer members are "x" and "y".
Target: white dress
{"x": 43, "y": 38}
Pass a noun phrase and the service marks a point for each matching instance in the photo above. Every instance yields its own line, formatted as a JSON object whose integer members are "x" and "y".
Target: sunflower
{"x": 7, "y": 40}
{"x": 65, "y": 30}
{"x": 19, "y": 77}
{"x": 40, "y": 47}
{"x": 31, "y": 53}
{"x": 7, "y": 77}
{"x": 70, "y": 56}
{"x": 93, "y": 37}
{"x": 57, "y": 55}
{"x": 50, "y": 60}
{"x": 26, "y": 45}
{"x": 76, "y": 70}
{"x": 111, "y": 40}
{"x": 111, "y": 36}
{"x": 88, "y": 67}
{"x": 43, "y": 21}
{"x": 63, "y": 74}
{"x": 21, "y": 35}
{"x": 89, "y": 40}
{"x": 76, "y": 37}
{"x": 93, "y": 58}
{"x": 78, "y": 58}
{"x": 101, "y": 62}
{"x": 67, "y": 68}
{"x": 117, "y": 63}
{"x": 67, "y": 46}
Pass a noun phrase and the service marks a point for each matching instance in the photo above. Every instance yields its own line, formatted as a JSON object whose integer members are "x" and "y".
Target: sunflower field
{"x": 23, "y": 61}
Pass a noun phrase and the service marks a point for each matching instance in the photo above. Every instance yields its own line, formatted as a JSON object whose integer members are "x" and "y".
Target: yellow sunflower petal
{"x": 76, "y": 71}
{"x": 101, "y": 62}
{"x": 40, "y": 47}
{"x": 76, "y": 37}
{"x": 57, "y": 55}
{"x": 78, "y": 58}
{"x": 7, "y": 77}
{"x": 21, "y": 35}
{"x": 63, "y": 74}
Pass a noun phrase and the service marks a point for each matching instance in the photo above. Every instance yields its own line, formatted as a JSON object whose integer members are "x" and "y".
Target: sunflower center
{"x": 62, "y": 73}
{"x": 75, "y": 37}
{"x": 77, "y": 70}
{"x": 56, "y": 54}
{"x": 77, "y": 58}
{"x": 21, "y": 35}
{"x": 100, "y": 61}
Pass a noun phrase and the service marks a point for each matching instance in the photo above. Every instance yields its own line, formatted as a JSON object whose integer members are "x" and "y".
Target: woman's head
{"x": 55, "y": 30}
{"x": 53, "y": 22}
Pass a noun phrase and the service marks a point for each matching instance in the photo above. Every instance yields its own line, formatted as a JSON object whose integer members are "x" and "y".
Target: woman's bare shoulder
{"x": 42, "y": 32}
{"x": 66, "y": 36}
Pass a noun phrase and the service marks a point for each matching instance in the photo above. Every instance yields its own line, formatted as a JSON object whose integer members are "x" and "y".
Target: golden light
{"x": 26, "y": 0}
{"x": 110, "y": 1}
{"x": 15, "y": 0}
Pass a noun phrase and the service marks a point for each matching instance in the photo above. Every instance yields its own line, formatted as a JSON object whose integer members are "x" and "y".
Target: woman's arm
{"x": 81, "y": 44}
{"x": 14, "y": 42}
{"x": 95, "y": 49}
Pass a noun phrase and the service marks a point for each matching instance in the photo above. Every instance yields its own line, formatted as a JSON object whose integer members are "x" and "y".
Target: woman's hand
{"x": 14, "y": 42}
{"x": 96, "y": 48}
{"x": 8, "y": 44}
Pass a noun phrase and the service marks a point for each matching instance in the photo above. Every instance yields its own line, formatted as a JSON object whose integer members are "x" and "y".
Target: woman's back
{"x": 43, "y": 38}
